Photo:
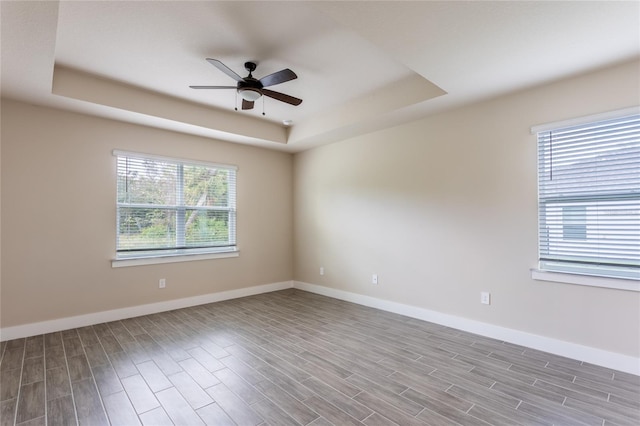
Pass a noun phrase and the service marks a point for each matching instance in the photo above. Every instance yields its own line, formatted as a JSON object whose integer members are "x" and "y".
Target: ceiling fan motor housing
{"x": 249, "y": 83}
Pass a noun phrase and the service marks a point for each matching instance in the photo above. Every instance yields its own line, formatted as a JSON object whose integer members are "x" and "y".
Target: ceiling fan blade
{"x": 213, "y": 87}
{"x": 225, "y": 69}
{"x": 281, "y": 97}
{"x": 278, "y": 77}
{"x": 247, "y": 104}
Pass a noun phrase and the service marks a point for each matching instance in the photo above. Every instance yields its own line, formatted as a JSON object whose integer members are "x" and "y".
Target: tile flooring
{"x": 296, "y": 358}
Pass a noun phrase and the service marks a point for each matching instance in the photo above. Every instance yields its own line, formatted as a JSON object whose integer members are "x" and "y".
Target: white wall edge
{"x": 34, "y": 329}
{"x": 588, "y": 354}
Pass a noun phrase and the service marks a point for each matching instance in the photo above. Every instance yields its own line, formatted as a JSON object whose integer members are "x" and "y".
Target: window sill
{"x": 588, "y": 280}
{"x": 139, "y": 261}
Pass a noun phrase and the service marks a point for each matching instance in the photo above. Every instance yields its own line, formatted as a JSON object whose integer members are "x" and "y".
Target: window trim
{"x": 171, "y": 255}
{"x": 585, "y": 119}
{"x": 614, "y": 282}
{"x": 140, "y": 261}
{"x": 586, "y": 280}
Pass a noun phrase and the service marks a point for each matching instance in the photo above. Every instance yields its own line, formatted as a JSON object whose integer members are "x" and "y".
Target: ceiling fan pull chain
{"x": 236, "y": 104}
{"x": 263, "y": 105}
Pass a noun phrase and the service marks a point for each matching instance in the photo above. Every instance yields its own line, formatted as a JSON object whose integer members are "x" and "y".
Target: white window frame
{"x": 583, "y": 276}
{"x": 180, "y": 254}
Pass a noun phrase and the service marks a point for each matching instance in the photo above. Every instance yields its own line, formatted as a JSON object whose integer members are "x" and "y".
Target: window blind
{"x": 168, "y": 206}
{"x": 589, "y": 198}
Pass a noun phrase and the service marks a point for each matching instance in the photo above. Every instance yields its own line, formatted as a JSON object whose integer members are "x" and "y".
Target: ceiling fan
{"x": 250, "y": 88}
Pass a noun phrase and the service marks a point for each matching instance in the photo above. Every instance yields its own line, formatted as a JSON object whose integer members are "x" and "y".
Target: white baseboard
{"x": 51, "y": 326}
{"x": 588, "y": 354}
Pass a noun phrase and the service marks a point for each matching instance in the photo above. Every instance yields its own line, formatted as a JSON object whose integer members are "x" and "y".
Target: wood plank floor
{"x": 296, "y": 358}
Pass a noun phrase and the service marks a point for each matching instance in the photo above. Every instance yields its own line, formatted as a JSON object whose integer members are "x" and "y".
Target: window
{"x": 168, "y": 207}
{"x": 589, "y": 197}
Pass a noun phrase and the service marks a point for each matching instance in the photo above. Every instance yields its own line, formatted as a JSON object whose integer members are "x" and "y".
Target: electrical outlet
{"x": 485, "y": 297}
{"x": 321, "y": 270}
{"x": 374, "y": 279}
{"x": 162, "y": 283}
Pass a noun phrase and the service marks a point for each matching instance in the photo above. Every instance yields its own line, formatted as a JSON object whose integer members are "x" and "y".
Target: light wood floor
{"x": 295, "y": 358}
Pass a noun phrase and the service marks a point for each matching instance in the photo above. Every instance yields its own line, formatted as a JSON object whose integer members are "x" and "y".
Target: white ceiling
{"x": 361, "y": 65}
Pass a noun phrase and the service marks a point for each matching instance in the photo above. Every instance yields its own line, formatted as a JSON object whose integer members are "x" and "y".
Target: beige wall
{"x": 58, "y": 217}
{"x": 440, "y": 209}
{"x": 444, "y": 208}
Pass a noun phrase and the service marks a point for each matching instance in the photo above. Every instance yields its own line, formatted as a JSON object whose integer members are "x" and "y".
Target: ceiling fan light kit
{"x": 251, "y": 89}
{"x": 249, "y": 94}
